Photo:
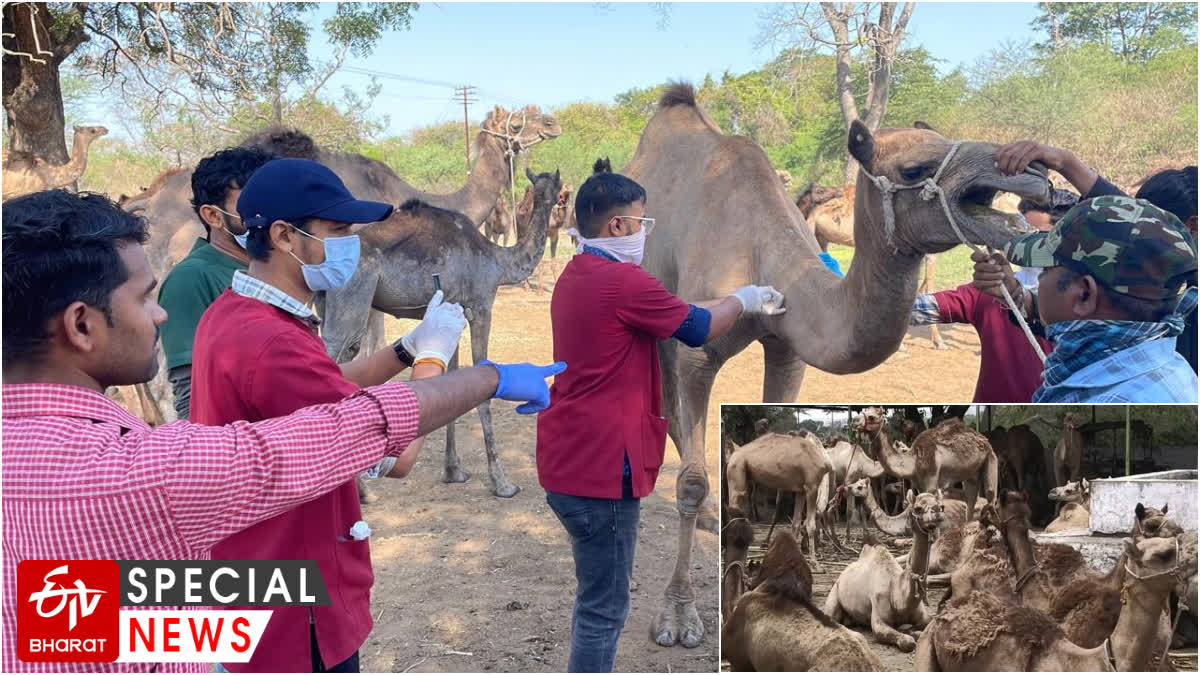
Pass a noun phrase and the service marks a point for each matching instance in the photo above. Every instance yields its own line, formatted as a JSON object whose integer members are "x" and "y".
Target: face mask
{"x": 629, "y": 248}
{"x": 341, "y": 259}
{"x": 239, "y": 238}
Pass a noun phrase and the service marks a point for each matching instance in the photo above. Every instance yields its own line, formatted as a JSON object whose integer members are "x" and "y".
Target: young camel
{"x": 850, "y": 463}
{"x": 980, "y": 632}
{"x": 796, "y": 463}
{"x": 876, "y": 591}
{"x": 1075, "y": 499}
{"x": 954, "y": 511}
{"x": 775, "y": 626}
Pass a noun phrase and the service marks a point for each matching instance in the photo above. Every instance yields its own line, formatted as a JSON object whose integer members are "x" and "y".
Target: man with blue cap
{"x": 257, "y": 355}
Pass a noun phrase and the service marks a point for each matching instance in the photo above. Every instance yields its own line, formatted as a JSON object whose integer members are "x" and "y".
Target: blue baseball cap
{"x": 294, "y": 189}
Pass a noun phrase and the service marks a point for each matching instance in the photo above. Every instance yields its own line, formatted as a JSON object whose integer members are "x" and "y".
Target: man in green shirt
{"x": 208, "y": 269}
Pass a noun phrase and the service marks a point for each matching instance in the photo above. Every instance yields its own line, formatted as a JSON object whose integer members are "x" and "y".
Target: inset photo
{"x": 958, "y": 537}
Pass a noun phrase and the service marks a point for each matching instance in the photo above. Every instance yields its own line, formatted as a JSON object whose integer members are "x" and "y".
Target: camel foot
{"x": 678, "y": 623}
{"x": 506, "y": 489}
{"x": 455, "y": 475}
{"x": 905, "y": 643}
{"x": 815, "y": 566}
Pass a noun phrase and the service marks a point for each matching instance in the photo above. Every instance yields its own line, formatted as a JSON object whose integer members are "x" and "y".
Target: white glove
{"x": 760, "y": 300}
{"x": 438, "y": 333}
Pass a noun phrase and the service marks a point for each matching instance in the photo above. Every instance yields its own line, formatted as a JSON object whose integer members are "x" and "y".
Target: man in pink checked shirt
{"x": 84, "y": 480}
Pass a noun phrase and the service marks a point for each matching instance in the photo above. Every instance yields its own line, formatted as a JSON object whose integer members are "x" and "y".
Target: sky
{"x": 554, "y": 53}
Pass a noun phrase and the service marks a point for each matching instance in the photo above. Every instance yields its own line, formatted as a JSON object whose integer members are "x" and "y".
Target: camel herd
{"x": 1013, "y": 603}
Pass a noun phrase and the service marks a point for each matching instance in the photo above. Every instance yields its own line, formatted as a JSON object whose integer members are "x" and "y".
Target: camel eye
{"x": 912, "y": 173}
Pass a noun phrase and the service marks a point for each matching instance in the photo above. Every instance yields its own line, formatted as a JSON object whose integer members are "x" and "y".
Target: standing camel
{"x": 498, "y": 223}
{"x": 725, "y": 220}
{"x": 785, "y": 462}
{"x": 558, "y": 218}
{"x": 395, "y": 275}
{"x": 25, "y": 172}
{"x": 940, "y": 457}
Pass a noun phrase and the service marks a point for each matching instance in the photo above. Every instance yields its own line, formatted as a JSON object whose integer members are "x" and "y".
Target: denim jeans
{"x": 603, "y": 536}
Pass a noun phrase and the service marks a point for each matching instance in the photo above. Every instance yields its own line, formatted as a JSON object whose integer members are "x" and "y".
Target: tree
{"x": 1137, "y": 31}
{"x": 206, "y": 60}
{"x": 869, "y": 31}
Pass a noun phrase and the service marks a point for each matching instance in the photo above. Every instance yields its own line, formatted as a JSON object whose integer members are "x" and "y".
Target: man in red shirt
{"x": 79, "y": 315}
{"x": 601, "y": 442}
{"x": 257, "y": 355}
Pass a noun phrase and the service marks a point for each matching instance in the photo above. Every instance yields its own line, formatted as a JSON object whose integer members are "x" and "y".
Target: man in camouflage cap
{"x": 1110, "y": 299}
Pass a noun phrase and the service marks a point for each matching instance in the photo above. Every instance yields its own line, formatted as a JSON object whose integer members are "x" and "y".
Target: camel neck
{"x": 490, "y": 174}
{"x": 518, "y": 262}
{"x": 1021, "y": 548}
{"x": 1134, "y": 637}
{"x": 79, "y": 152}
{"x": 918, "y": 558}
{"x": 891, "y": 460}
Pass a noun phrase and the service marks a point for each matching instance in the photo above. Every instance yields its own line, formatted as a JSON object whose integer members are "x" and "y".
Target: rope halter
{"x": 513, "y": 145}
{"x": 929, "y": 190}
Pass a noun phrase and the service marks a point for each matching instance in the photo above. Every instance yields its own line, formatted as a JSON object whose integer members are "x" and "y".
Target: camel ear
{"x": 1139, "y": 511}
{"x": 556, "y": 176}
{"x": 1164, "y": 509}
{"x": 1084, "y": 484}
{"x": 861, "y": 144}
{"x": 529, "y": 174}
{"x": 923, "y": 125}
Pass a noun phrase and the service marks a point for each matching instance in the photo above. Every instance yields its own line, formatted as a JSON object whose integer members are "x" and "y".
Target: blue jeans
{"x": 603, "y": 536}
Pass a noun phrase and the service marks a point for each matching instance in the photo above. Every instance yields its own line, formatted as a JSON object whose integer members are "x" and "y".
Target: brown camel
{"x": 850, "y": 463}
{"x": 737, "y": 534}
{"x": 25, "y": 172}
{"x": 940, "y": 456}
{"x": 775, "y": 627}
{"x": 1020, "y": 451}
{"x": 954, "y": 511}
{"x": 1076, "y": 500}
{"x": 725, "y": 220}
{"x": 876, "y": 591}
{"x": 981, "y": 632}
{"x": 558, "y": 218}
{"x": 1152, "y": 522}
{"x": 1068, "y": 454}
{"x": 784, "y": 462}
{"x": 498, "y": 223}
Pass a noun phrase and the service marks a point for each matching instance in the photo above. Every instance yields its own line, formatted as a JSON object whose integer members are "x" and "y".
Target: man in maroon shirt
{"x": 601, "y": 442}
{"x": 257, "y": 355}
{"x": 79, "y": 315}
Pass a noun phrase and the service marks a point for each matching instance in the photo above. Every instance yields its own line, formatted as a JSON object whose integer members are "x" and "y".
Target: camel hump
{"x": 978, "y": 618}
{"x": 784, "y": 572}
{"x": 602, "y": 165}
{"x": 283, "y": 142}
{"x": 678, "y": 93}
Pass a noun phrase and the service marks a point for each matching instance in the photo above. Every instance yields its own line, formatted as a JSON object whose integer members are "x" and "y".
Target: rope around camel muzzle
{"x": 930, "y": 189}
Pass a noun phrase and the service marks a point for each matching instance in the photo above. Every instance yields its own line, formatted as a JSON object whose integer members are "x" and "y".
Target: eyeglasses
{"x": 647, "y": 223}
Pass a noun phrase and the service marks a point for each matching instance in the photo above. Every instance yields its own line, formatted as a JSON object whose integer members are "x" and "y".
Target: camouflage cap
{"x": 1129, "y": 245}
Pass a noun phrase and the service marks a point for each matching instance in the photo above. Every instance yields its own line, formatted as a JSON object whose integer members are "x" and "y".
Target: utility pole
{"x": 467, "y": 94}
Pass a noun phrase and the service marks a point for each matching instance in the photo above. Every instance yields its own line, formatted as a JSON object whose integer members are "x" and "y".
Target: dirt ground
{"x": 468, "y": 582}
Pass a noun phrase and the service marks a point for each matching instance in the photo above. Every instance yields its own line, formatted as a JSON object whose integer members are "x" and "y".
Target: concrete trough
{"x": 1114, "y": 499}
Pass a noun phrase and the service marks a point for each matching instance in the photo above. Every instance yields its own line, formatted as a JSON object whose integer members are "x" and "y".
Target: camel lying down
{"x": 775, "y": 627}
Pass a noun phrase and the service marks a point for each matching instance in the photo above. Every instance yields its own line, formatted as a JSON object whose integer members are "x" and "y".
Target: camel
{"x": 25, "y": 172}
{"x": 940, "y": 456}
{"x": 725, "y": 220}
{"x": 737, "y": 534}
{"x": 498, "y": 223}
{"x": 954, "y": 511}
{"x": 1076, "y": 500}
{"x": 1019, "y": 450}
{"x": 849, "y": 464}
{"x": 775, "y": 626}
{"x": 981, "y": 632}
{"x": 876, "y": 591}
{"x": 395, "y": 275}
{"x": 558, "y": 218}
{"x": 1152, "y": 522}
{"x": 174, "y": 226}
{"x": 1068, "y": 454}
{"x": 785, "y": 462}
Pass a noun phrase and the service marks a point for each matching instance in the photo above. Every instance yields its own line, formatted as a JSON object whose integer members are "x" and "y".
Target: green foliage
{"x": 738, "y": 421}
{"x": 1135, "y": 31}
{"x": 1173, "y": 425}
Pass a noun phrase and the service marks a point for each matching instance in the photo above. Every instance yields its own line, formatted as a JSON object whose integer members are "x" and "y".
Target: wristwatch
{"x": 402, "y": 353}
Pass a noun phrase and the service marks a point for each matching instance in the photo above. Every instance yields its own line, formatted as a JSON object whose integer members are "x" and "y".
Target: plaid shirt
{"x": 85, "y": 480}
{"x": 925, "y": 311}
{"x": 1150, "y": 372}
{"x": 247, "y": 286}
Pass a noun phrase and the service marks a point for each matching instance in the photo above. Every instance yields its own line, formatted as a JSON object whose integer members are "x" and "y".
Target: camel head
{"x": 1013, "y": 505}
{"x": 1074, "y": 492}
{"x": 860, "y": 488}
{"x": 1152, "y": 559}
{"x": 1071, "y": 421}
{"x": 969, "y": 180}
{"x": 91, "y": 133}
{"x": 927, "y": 512}
{"x": 1152, "y": 522}
{"x": 521, "y": 129}
{"x": 870, "y": 420}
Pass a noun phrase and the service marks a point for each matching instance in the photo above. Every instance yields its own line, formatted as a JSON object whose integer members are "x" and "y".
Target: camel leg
{"x": 810, "y": 525}
{"x": 453, "y": 471}
{"x": 833, "y": 607}
{"x": 690, "y": 374}
{"x": 775, "y": 518}
{"x": 926, "y": 660}
{"x": 970, "y": 493}
{"x": 480, "y": 330}
{"x": 885, "y": 634}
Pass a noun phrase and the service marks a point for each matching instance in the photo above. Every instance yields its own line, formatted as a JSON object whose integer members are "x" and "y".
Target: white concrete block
{"x": 1114, "y": 499}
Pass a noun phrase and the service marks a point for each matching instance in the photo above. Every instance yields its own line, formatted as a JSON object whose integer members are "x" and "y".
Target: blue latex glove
{"x": 831, "y": 263}
{"x": 525, "y": 382}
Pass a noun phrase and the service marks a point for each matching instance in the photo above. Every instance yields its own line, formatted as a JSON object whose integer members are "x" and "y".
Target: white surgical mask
{"x": 629, "y": 248}
{"x": 341, "y": 259}
{"x": 239, "y": 238}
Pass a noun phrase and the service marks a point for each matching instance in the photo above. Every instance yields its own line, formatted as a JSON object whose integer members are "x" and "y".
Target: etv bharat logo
{"x": 75, "y": 606}
{"x": 68, "y": 610}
